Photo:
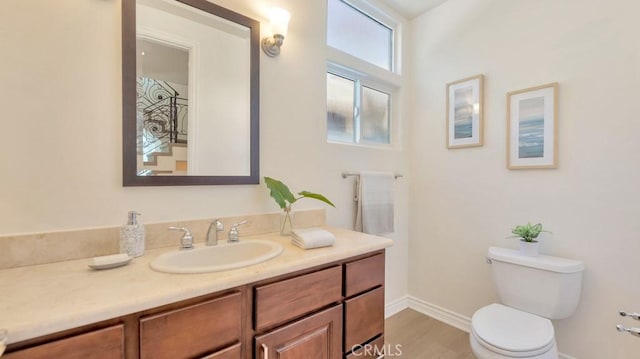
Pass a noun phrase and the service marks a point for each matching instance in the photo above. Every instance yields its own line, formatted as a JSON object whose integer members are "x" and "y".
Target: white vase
{"x": 529, "y": 249}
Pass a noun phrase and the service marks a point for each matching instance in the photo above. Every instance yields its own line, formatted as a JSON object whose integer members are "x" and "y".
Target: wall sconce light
{"x": 279, "y": 23}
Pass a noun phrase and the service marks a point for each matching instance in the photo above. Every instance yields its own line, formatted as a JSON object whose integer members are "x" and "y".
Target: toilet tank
{"x": 547, "y": 286}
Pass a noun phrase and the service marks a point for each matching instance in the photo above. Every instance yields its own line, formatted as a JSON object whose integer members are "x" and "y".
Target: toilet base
{"x": 483, "y": 353}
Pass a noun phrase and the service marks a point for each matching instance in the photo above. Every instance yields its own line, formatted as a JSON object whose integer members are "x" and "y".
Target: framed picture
{"x": 532, "y": 127}
{"x": 464, "y": 112}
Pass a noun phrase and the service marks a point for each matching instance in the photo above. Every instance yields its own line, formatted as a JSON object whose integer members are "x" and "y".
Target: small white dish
{"x": 112, "y": 261}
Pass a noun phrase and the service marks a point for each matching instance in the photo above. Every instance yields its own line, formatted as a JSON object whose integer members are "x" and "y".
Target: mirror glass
{"x": 190, "y": 87}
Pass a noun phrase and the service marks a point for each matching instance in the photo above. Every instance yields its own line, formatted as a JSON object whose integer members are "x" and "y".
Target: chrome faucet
{"x": 234, "y": 235}
{"x": 186, "y": 242}
{"x": 212, "y": 233}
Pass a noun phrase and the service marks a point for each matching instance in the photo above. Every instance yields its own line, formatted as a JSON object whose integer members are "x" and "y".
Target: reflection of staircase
{"x": 162, "y": 120}
{"x": 173, "y": 161}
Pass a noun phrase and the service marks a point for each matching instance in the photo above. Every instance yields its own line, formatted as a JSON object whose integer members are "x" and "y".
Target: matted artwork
{"x": 464, "y": 112}
{"x": 532, "y": 127}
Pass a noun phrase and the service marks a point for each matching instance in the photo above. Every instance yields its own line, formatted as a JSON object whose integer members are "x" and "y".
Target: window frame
{"x": 367, "y": 74}
{"x": 383, "y": 19}
{"x": 360, "y": 82}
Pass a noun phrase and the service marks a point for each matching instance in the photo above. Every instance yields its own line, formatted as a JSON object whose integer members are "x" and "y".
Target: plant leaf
{"x": 318, "y": 196}
{"x": 528, "y": 232}
{"x": 279, "y": 192}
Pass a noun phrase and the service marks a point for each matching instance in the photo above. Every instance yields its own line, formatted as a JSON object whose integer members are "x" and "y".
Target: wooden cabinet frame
{"x": 359, "y": 276}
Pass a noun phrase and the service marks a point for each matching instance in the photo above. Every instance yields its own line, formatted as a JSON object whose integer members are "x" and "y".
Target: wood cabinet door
{"x": 107, "y": 343}
{"x": 318, "y": 336}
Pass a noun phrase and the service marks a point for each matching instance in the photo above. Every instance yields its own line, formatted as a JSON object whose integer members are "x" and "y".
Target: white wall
{"x": 465, "y": 200}
{"x": 60, "y": 153}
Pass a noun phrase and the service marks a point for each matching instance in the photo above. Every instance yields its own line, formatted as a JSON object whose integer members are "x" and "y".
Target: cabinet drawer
{"x": 364, "y": 318}
{"x": 192, "y": 331}
{"x": 288, "y": 299}
{"x": 232, "y": 352}
{"x": 364, "y": 274}
{"x": 107, "y": 343}
{"x": 372, "y": 350}
{"x": 316, "y": 336}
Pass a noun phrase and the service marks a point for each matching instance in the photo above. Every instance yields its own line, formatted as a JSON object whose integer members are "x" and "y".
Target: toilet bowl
{"x": 498, "y": 331}
{"x": 532, "y": 290}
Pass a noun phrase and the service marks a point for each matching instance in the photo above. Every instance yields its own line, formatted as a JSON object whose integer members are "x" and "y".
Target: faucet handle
{"x": 186, "y": 242}
{"x": 632, "y": 331}
{"x": 182, "y": 229}
{"x": 635, "y": 316}
{"x": 234, "y": 235}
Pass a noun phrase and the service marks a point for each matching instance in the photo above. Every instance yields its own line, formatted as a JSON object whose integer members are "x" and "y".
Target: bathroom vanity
{"x": 327, "y": 301}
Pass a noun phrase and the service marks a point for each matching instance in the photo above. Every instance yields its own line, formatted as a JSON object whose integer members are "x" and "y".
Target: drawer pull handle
{"x": 265, "y": 351}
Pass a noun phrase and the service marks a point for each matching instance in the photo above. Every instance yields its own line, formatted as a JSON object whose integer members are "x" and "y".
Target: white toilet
{"x": 532, "y": 291}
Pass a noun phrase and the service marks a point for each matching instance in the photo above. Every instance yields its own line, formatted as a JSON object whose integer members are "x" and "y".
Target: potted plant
{"x": 284, "y": 198}
{"x": 528, "y": 235}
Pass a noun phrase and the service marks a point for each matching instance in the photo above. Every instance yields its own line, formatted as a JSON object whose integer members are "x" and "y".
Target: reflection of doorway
{"x": 162, "y": 106}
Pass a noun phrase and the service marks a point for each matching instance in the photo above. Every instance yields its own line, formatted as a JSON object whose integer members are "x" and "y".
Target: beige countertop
{"x": 44, "y": 299}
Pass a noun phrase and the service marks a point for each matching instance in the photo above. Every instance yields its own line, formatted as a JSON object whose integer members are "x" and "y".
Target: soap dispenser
{"x": 132, "y": 236}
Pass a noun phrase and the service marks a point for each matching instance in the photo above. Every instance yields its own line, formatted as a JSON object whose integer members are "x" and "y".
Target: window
{"x": 358, "y": 34}
{"x": 340, "y": 109}
{"x": 356, "y": 113}
{"x": 359, "y": 90}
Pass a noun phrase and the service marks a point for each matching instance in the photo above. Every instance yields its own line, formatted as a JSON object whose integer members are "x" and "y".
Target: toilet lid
{"x": 511, "y": 329}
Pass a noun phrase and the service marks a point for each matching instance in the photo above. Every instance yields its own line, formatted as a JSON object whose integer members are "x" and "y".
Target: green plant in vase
{"x": 285, "y": 198}
{"x": 528, "y": 232}
{"x": 528, "y": 235}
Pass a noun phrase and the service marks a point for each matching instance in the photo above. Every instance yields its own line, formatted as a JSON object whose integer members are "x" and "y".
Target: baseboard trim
{"x": 444, "y": 315}
{"x": 396, "y": 306}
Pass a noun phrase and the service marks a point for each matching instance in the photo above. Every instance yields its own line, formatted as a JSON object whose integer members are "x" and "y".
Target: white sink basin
{"x": 217, "y": 258}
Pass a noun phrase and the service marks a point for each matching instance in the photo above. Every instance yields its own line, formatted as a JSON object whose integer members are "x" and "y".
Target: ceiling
{"x": 412, "y": 8}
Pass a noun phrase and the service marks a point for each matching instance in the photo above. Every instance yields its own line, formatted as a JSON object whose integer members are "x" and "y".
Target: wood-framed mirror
{"x": 190, "y": 87}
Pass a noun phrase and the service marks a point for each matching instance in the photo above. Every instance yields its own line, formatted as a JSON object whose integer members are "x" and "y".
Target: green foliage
{"x": 318, "y": 196}
{"x": 283, "y": 196}
{"x": 528, "y": 232}
{"x": 279, "y": 192}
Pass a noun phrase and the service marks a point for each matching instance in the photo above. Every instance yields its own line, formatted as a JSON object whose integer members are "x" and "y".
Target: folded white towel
{"x": 308, "y": 238}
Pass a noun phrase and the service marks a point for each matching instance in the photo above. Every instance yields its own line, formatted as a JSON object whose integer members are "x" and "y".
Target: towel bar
{"x": 346, "y": 174}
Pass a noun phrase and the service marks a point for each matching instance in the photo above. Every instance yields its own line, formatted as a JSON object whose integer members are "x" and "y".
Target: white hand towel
{"x": 308, "y": 238}
{"x": 374, "y": 209}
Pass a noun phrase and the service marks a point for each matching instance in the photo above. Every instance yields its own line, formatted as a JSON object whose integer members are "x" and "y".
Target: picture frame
{"x": 532, "y": 127}
{"x": 465, "y": 105}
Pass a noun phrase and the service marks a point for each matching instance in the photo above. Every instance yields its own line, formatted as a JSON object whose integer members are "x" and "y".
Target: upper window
{"x": 362, "y": 87}
{"x": 356, "y": 33}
